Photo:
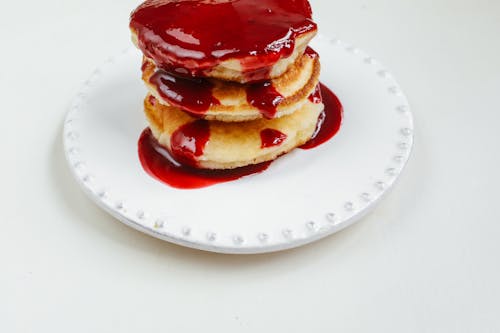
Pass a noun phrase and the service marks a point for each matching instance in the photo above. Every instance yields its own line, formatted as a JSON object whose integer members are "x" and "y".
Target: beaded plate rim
{"x": 318, "y": 229}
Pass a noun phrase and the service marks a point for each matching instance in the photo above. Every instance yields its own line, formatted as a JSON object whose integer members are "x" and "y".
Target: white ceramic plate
{"x": 302, "y": 197}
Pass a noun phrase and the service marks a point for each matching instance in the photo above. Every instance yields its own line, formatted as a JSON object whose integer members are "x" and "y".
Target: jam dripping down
{"x": 316, "y": 97}
{"x": 159, "y": 163}
{"x": 191, "y": 139}
{"x": 152, "y": 100}
{"x": 329, "y": 121}
{"x": 193, "y": 95}
{"x": 264, "y": 97}
{"x": 144, "y": 64}
{"x": 191, "y": 37}
{"x": 311, "y": 53}
{"x": 271, "y": 138}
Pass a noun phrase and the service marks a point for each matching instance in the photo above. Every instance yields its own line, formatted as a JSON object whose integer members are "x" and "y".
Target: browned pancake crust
{"x": 234, "y": 145}
{"x": 295, "y": 85}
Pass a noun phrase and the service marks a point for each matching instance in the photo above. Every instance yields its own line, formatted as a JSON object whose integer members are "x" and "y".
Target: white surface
{"x": 427, "y": 260}
{"x": 302, "y": 197}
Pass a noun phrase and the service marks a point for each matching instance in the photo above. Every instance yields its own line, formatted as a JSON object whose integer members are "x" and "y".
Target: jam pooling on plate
{"x": 329, "y": 120}
{"x": 159, "y": 163}
{"x": 271, "y": 138}
{"x": 189, "y": 37}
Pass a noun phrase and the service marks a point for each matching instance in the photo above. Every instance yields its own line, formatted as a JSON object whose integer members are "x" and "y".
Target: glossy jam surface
{"x": 188, "y": 37}
{"x": 193, "y": 95}
{"x": 311, "y": 53}
{"x": 271, "y": 138}
{"x": 189, "y": 141}
{"x": 329, "y": 121}
{"x": 158, "y": 163}
{"x": 315, "y": 97}
{"x": 264, "y": 97}
{"x": 152, "y": 100}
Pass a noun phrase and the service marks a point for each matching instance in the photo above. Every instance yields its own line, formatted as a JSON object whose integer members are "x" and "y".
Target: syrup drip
{"x": 316, "y": 97}
{"x": 311, "y": 53}
{"x": 264, "y": 97}
{"x": 271, "y": 138}
{"x": 159, "y": 164}
{"x": 191, "y": 37}
{"x": 329, "y": 120}
{"x": 152, "y": 100}
{"x": 193, "y": 95}
{"x": 144, "y": 65}
{"x": 189, "y": 141}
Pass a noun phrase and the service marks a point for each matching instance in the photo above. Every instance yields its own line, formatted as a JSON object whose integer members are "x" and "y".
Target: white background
{"x": 427, "y": 260}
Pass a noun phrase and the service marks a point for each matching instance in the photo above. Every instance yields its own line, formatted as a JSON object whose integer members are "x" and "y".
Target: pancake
{"x": 218, "y": 145}
{"x": 242, "y": 41}
{"x": 232, "y": 70}
{"x": 232, "y": 102}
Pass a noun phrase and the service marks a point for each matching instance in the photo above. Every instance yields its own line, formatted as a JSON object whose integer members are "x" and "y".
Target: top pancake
{"x": 232, "y": 102}
{"x": 234, "y": 40}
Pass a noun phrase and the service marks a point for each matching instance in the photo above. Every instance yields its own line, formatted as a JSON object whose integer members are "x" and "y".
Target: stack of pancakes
{"x": 240, "y": 110}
